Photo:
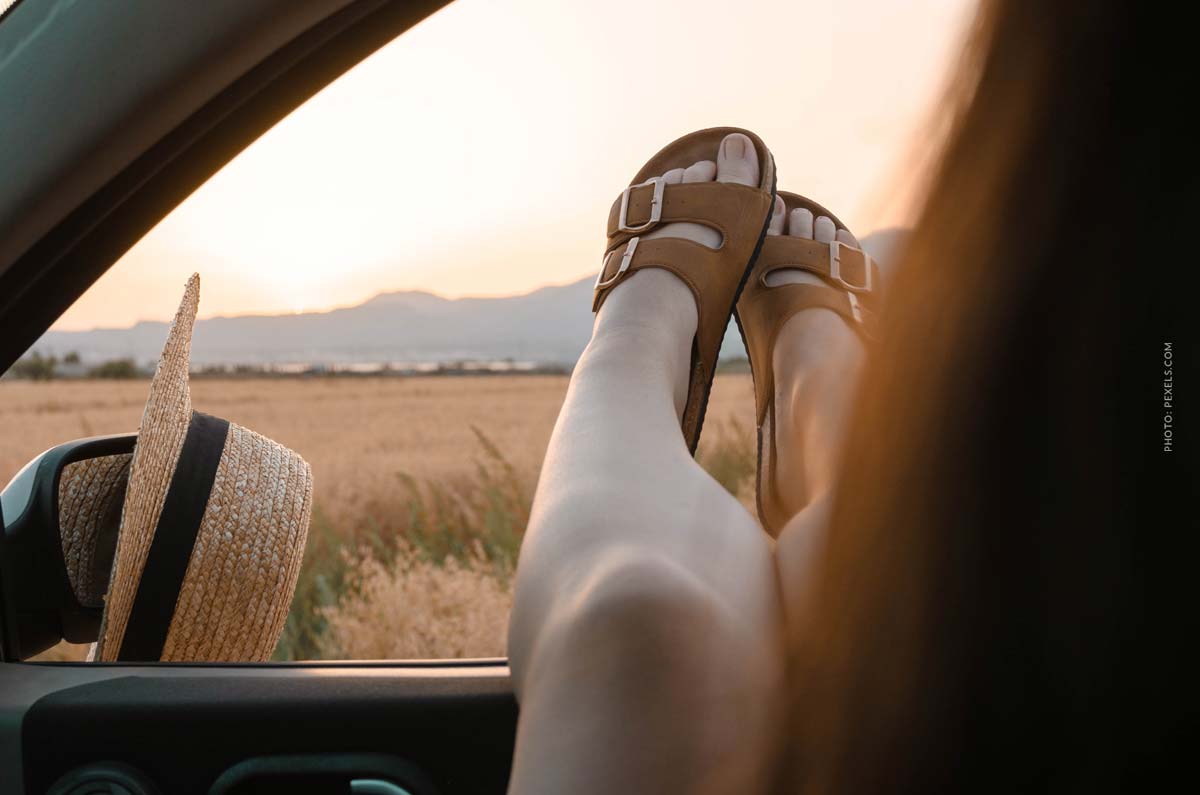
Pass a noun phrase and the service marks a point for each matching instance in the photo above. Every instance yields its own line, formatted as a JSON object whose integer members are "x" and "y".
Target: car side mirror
{"x": 60, "y": 516}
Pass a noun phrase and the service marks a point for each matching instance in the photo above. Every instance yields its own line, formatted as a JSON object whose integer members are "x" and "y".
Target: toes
{"x": 844, "y": 236}
{"x": 824, "y": 229}
{"x": 674, "y": 176}
{"x": 800, "y": 223}
{"x": 704, "y": 171}
{"x": 737, "y": 161}
{"x": 777, "y": 217}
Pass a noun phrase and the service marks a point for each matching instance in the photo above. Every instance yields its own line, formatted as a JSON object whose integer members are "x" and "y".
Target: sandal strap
{"x": 722, "y": 206}
{"x": 851, "y": 290}
{"x": 845, "y": 268}
{"x": 726, "y": 207}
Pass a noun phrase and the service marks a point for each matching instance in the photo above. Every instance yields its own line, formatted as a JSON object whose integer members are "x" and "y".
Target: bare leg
{"x": 644, "y": 640}
{"x": 817, "y": 363}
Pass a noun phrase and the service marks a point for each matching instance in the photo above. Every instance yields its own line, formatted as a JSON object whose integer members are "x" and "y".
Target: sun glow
{"x": 478, "y": 153}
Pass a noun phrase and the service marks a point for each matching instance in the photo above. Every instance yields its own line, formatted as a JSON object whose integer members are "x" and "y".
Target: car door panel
{"x": 183, "y": 726}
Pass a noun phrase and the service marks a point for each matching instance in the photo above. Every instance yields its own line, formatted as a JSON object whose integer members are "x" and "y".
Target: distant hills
{"x": 550, "y": 325}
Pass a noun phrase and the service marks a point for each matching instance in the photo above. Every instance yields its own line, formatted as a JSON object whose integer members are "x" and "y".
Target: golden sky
{"x": 478, "y": 153}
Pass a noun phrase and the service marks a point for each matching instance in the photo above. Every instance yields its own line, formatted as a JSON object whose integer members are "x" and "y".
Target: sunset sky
{"x": 479, "y": 152}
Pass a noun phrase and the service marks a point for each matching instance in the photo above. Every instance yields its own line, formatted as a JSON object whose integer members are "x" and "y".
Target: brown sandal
{"x": 716, "y": 276}
{"x": 851, "y": 290}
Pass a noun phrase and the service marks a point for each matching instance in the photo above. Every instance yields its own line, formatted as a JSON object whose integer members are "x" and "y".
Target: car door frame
{"x": 86, "y": 217}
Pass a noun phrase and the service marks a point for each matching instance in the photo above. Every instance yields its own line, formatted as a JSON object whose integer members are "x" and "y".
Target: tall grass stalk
{"x": 470, "y": 525}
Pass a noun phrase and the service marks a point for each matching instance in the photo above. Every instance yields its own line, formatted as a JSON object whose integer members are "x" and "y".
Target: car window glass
{"x": 396, "y": 278}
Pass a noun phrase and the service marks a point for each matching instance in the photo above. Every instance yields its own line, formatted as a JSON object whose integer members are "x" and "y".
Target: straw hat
{"x": 211, "y": 533}
{"x": 90, "y": 495}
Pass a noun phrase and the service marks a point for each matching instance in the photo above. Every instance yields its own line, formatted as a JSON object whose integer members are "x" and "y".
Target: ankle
{"x": 645, "y": 332}
{"x": 659, "y": 304}
{"x": 638, "y": 354}
{"x": 813, "y": 342}
{"x": 817, "y": 362}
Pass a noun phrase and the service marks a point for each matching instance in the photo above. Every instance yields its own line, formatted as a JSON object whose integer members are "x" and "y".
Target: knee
{"x": 644, "y": 597}
{"x": 634, "y": 613}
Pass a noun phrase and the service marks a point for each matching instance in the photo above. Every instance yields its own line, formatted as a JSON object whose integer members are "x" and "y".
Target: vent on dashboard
{"x": 104, "y": 778}
{"x": 323, "y": 774}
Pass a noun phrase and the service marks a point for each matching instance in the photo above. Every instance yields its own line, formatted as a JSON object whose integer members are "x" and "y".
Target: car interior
{"x": 394, "y": 206}
{"x": 135, "y": 106}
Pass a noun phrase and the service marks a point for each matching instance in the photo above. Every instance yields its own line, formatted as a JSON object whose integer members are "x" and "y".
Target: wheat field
{"x": 422, "y": 489}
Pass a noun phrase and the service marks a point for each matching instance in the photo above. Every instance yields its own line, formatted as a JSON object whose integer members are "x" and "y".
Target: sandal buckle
{"x": 855, "y": 307}
{"x": 626, "y": 258}
{"x": 864, "y": 316}
{"x": 835, "y": 269}
{"x": 656, "y": 204}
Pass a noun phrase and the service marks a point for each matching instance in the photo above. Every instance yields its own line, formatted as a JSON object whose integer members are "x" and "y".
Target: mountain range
{"x": 550, "y": 325}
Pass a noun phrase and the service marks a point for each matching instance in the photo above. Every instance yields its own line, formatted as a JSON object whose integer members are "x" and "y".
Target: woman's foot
{"x": 654, "y": 321}
{"x": 816, "y": 361}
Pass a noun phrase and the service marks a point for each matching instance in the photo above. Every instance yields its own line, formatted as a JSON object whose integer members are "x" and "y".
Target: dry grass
{"x": 65, "y": 652}
{"x": 417, "y": 608}
{"x": 416, "y": 478}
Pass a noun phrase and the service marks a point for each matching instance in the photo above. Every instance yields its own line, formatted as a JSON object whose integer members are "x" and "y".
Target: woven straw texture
{"x": 90, "y": 495}
{"x": 242, "y": 573}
